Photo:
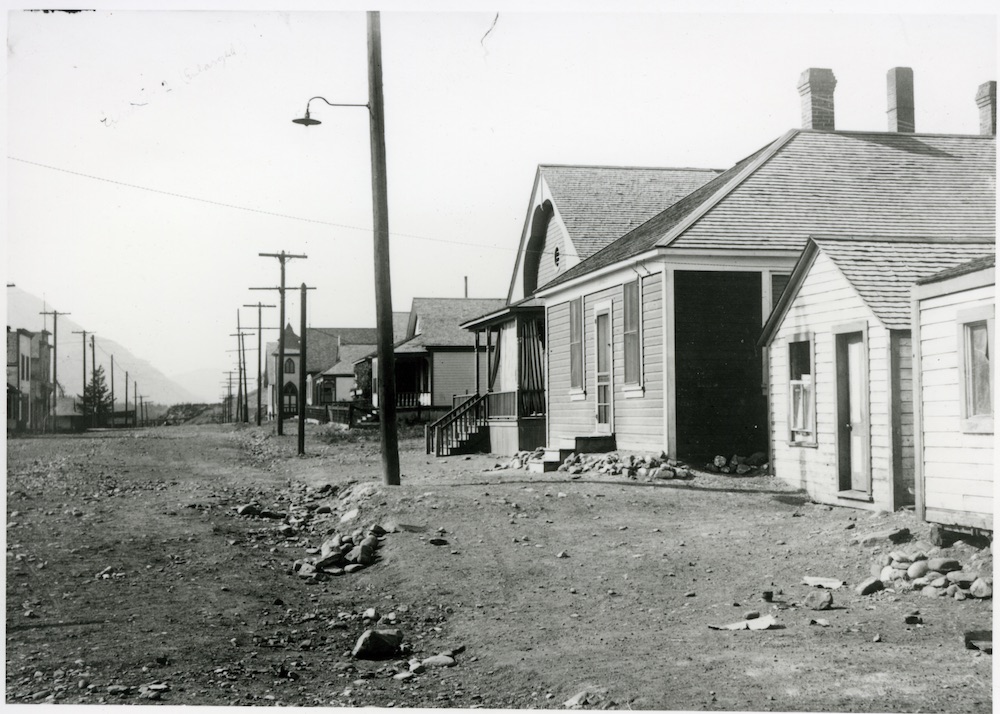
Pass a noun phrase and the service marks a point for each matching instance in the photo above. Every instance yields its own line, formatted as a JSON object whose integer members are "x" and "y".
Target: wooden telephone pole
{"x": 260, "y": 350}
{"x": 383, "y": 293}
{"x": 302, "y": 372}
{"x": 282, "y": 257}
{"x": 55, "y": 361}
{"x": 83, "y": 393}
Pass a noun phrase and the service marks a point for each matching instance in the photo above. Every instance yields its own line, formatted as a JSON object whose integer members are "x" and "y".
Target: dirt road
{"x": 131, "y": 579}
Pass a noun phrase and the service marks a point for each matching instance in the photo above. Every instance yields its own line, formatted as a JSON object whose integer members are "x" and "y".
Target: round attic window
{"x": 555, "y": 257}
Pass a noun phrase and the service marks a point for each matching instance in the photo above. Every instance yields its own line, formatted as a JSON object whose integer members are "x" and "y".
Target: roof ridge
{"x": 623, "y": 167}
{"x": 859, "y": 132}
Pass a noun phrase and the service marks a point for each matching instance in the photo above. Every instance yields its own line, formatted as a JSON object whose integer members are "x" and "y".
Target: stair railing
{"x": 448, "y": 432}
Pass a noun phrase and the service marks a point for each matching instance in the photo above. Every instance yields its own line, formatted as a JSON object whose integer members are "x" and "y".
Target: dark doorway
{"x": 721, "y": 408}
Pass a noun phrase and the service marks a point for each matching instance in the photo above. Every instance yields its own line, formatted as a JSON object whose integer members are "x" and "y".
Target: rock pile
{"x": 644, "y": 468}
{"x": 923, "y": 567}
{"x": 341, "y": 553}
{"x": 751, "y": 465}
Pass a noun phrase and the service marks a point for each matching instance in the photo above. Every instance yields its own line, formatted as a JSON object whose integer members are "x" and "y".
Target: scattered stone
{"x": 819, "y": 600}
{"x": 893, "y": 535}
{"x": 820, "y": 621}
{"x": 378, "y": 644}
{"x": 829, "y": 583}
{"x": 980, "y": 588}
{"x": 869, "y": 586}
{"x": 751, "y": 615}
{"x": 979, "y": 640}
{"x": 759, "y": 623}
{"x": 913, "y": 618}
{"x": 917, "y": 569}
{"x": 403, "y": 676}
{"x": 438, "y": 661}
{"x": 932, "y": 591}
{"x": 353, "y": 568}
{"x": 248, "y": 509}
{"x": 562, "y": 554}
{"x": 349, "y": 515}
{"x": 438, "y": 541}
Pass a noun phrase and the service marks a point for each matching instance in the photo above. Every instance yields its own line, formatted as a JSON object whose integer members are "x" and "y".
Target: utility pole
{"x": 302, "y": 372}
{"x": 383, "y": 293}
{"x": 112, "y": 391}
{"x": 55, "y": 361}
{"x": 142, "y": 410}
{"x": 135, "y": 400}
{"x": 93, "y": 380}
{"x": 84, "y": 333}
{"x": 282, "y": 258}
{"x": 260, "y": 351}
{"x": 126, "y": 398}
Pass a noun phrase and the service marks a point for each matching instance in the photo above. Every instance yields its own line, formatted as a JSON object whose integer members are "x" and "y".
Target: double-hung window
{"x": 975, "y": 338}
{"x": 632, "y": 309}
{"x": 801, "y": 392}
{"x": 576, "y": 344}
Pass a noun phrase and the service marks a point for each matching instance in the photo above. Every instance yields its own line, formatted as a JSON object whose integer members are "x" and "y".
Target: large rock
{"x": 944, "y": 565}
{"x": 980, "y": 588}
{"x": 917, "y": 569}
{"x": 819, "y": 600}
{"x": 893, "y": 535}
{"x": 869, "y": 586}
{"x": 378, "y": 644}
{"x": 439, "y": 660}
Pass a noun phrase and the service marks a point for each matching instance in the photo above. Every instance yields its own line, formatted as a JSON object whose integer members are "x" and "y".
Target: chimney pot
{"x": 816, "y": 90}
{"x": 986, "y": 100}
{"x": 899, "y": 82}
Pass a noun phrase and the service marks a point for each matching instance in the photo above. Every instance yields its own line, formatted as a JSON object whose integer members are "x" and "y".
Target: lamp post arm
{"x": 333, "y": 104}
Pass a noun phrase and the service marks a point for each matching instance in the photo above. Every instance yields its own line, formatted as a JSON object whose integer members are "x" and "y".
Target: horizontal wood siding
{"x": 825, "y": 300}
{"x": 567, "y": 418}
{"x": 720, "y": 407}
{"x": 957, "y": 467}
{"x": 639, "y": 420}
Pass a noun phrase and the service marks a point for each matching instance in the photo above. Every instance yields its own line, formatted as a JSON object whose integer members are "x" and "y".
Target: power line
{"x": 273, "y": 214}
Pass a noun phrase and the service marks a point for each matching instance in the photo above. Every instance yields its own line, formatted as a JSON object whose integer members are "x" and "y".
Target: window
{"x": 289, "y": 366}
{"x": 576, "y": 344}
{"x": 631, "y": 306}
{"x": 975, "y": 376}
{"x": 555, "y": 257}
{"x": 801, "y": 393}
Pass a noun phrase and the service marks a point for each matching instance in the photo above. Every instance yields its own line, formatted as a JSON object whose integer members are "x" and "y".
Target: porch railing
{"x": 451, "y": 430}
{"x": 510, "y": 405}
{"x": 458, "y": 400}
{"x": 409, "y": 400}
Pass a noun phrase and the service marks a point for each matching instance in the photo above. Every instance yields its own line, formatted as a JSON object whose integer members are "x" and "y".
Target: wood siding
{"x": 957, "y": 466}
{"x": 825, "y": 300}
{"x": 637, "y": 420}
{"x": 554, "y": 239}
{"x": 720, "y": 407}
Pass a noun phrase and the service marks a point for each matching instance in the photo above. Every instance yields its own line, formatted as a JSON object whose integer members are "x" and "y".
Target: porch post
{"x": 477, "y": 362}
{"x": 489, "y": 358}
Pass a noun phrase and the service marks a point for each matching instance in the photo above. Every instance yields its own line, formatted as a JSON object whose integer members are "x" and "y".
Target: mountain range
{"x": 23, "y": 310}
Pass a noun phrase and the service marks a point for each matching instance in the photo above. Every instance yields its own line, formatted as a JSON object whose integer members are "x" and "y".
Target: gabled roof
{"x": 882, "y": 270}
{"x": 349, "y": 335}
{"x": 349, "y": 354}
{"x": 972, "y": 266}
{"x": 440, "y": 321}
{"x": 829, "y": 183}
{"x": 599, "y": 204}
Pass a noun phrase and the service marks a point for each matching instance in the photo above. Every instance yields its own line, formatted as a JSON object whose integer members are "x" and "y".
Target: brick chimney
{"x": 986, "y": 100}
{"x": 899, "y": 82}
{"x": 816, "y": 89}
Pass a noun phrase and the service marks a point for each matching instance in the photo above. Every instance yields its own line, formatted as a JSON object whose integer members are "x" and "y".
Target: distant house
{"x": 953, "y": 335}
{"x": 29, "y": 381}
{"x": 839, "y": 350}
{"x": 437, "y": 360}
{"x": 323, "y": 349}
{"x": 650, "y": 342}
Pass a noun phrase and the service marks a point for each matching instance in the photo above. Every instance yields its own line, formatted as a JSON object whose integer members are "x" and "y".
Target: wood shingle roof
{"x": 884, "y": 271}
{"x": 599, "y": 204}
{"x": 828, "y": 183}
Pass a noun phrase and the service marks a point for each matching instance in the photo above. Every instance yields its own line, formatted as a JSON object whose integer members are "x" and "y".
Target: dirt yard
{"x": 131, "y": 579}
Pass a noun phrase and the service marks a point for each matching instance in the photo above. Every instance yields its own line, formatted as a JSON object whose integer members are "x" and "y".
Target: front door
{"x": 852, "y": 414}
{"x": 602, "y": 331}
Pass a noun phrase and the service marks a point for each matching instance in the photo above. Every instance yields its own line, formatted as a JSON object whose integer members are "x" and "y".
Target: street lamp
{"x": 380, "y": 210}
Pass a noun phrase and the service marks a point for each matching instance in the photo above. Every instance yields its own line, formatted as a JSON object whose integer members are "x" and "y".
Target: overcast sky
{"x": 151, "y": 155}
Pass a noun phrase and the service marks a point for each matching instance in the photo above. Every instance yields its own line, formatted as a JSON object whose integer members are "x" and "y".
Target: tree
{"x": 363, "y": 379}
{"x": 96, "y": 399}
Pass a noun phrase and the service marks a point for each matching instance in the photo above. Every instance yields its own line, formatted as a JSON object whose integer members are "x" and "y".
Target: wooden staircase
{"x": 463, "y": 430}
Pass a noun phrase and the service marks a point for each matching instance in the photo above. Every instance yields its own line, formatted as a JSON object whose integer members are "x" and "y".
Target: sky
{"x": 150, "y": 155}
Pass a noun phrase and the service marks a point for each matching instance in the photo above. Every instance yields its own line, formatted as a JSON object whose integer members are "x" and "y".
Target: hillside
{"x": 23, "y": 310}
